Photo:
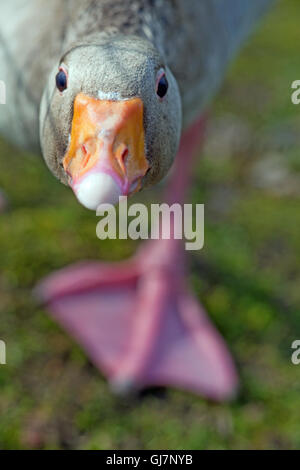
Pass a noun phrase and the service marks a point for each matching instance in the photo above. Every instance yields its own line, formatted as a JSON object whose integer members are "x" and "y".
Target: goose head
{"x": 110, "y": 119}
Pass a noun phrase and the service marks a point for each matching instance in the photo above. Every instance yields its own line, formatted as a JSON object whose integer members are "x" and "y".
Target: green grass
{"x": 247, "y": 277}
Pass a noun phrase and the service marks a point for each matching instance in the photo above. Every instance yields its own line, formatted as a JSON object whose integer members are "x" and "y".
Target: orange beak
{"x": 106, "y": 155}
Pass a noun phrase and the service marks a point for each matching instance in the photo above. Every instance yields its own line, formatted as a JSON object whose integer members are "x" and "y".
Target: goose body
{"x": 106, "y": 87}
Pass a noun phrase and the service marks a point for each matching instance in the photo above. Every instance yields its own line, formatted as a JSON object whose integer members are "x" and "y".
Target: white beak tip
{"x": 95, "y": 189}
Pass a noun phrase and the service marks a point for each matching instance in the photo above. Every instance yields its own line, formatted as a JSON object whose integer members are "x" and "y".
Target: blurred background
{"x": 247, "y": 276}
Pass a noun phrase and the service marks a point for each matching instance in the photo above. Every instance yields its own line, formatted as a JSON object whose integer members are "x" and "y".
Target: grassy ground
{"x": 247, "y": 276}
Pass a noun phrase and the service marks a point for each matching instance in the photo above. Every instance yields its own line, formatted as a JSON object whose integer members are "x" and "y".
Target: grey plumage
{"x": 195, "y": 38}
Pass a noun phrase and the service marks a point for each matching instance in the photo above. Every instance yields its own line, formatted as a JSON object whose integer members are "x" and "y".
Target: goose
{"x": 113, "y": 92}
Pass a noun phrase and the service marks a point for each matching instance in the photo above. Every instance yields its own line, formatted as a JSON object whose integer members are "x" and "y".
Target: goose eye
{"x": 162, "y": 85}
{"x": 61, "y": 80}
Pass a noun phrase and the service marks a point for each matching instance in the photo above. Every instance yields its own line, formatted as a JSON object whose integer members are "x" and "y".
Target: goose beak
{"x": 106, "y": 154}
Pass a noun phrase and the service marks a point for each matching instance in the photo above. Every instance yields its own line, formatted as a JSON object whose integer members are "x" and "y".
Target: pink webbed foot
{"x": 140, "y": 326}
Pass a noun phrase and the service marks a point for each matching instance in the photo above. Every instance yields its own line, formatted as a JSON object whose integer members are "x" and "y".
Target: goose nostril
{"x": 86, "y": 155}
{"x": 121, "y": 156}
{"x": 124, "y": 155}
